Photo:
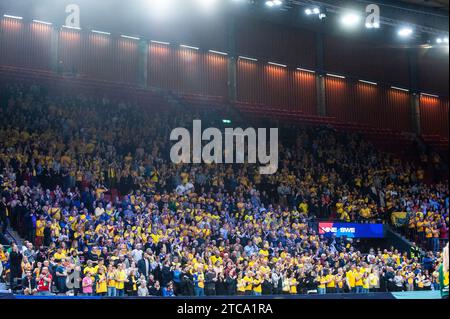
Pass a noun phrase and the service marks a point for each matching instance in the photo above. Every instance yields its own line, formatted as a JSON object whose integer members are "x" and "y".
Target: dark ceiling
{"x": 437, "y": 4}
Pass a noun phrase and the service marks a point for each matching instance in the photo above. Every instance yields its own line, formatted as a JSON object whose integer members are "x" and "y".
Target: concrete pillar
{"x": 415, "y": 113}
{"x": 232, "y": 79}
{"x": 321, "y": 95}
{"x": 414, "y": 89}
{"x": 143, "y": 63}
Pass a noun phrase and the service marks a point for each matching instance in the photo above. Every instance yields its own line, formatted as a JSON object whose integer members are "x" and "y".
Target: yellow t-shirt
{"x": 111, "y": 279}
{"x": 351, "y": 278}
{"x": 241, "y": 285}
{"x": 121, "y": 275}
{"x": 101, "y": 286}
{"x": 40, "y": 226}
{"x": 257, "y": 286}
{"x": 331, "y": 284}
{"x": 293, "y": 286}
{"x": 322, "y": 280}
{"x": 248, "y": 281}
{"x": 358, "y": 282}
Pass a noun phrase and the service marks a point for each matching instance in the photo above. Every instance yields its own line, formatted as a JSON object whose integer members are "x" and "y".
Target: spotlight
{"x": 405, "y": 32}
{"x": 273, "y": 3}
{"x": 207, "y": 4}
{"x": 350, "y": 19}
{"x": 316, "y": 11}
{"x": 439, "y": 40}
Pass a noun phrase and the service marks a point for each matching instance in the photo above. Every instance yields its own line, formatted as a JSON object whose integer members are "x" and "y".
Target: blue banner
{"x": 351, "y": 230}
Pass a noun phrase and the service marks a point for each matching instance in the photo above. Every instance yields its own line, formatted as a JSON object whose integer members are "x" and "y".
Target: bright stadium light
{"x": 336, "y": 76}
{"x": 129, "y": 37}
{"x": 278, "y": 64}
{"x": 368, "y": 82}
{"x": 350, "y": 19}
{"x": 274, "y": 3}
{"x": 160, "y": 6}
{"x": 70, "y": 27}
{"x": 42, "y": 22}
{"x": 306, "y": 70}
{"x": 247, "y": 58}
{"x": 405, "y": 32}
{"x": 315, "y": 11}
{"x": 442, "y": 40}
{"x": 12, "y": 17}
{"x": 399, "y": 89}
{"x": 218, "y": 52}
{"x": 189, "y": 47}
{"x": 160, "y": 42}
{"x": 100, "y": 32}
{"x": 207, "y": 4}
{"x": 430, "y": 95}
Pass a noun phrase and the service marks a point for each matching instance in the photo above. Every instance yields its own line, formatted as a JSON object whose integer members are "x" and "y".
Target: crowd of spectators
{"x": 88, "y": 184}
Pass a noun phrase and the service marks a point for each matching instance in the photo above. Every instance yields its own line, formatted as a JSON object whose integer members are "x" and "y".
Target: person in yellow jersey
{"x": 240, "y": 285}
{"x": 101, "y": 285}
{"x": 330, "y": 282}
{"x": 111, "y": 281}
{"x": 409, "y": 279}
{"x": 294, "y": 284}
{"x": 257, "y": 285}
{"x": 248, "y": 281}
{"x": 89, "y": 268}
{"x": 321, "y": 282}
{"x": 350, "y": 279}
{"x": 365, "y": 283}
{"x": 199, "y": 282}
{"x": 121, "y": 279}
{"x": 374, "y": 280}
{"x": 40, "y": 226}
{"x": 358, "y": 274}
{"x": 339, "y": 281}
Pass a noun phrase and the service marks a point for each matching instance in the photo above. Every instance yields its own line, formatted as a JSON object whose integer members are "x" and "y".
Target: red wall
{"x": 434, "y": 116}
{"x": 367, "y": 61}
{"x": 368, "y": 104}
{"x": 433, "y": 70}
{"x": 187, "y": 71}
{"x": 276, "y": 86}
{"x": 25, "y": 45}
{"x": 276, "y": 43}
{"x": 201, "y": 72}
{"x": 99, "y": 56}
